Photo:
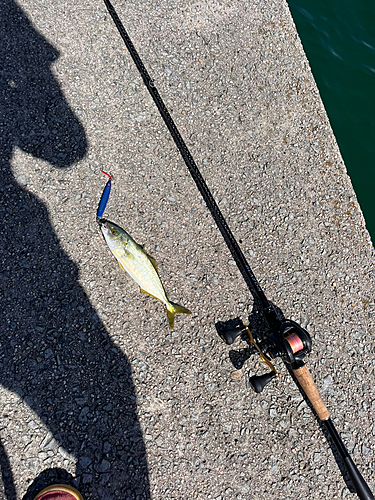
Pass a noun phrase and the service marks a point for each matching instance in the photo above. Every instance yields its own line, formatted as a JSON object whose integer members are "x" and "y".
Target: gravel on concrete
{"x": 95, "y": 388}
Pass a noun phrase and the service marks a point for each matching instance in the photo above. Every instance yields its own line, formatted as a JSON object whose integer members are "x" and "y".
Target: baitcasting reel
{"x": 287, "y": 340}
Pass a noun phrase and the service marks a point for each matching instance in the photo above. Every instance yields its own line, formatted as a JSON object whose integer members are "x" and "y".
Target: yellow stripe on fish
{"x": 140, "y": 266}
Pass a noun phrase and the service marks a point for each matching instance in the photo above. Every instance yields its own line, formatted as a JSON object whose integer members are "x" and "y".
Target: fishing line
{"x": 108, "y": 175}
{"x": 295, "y": 342}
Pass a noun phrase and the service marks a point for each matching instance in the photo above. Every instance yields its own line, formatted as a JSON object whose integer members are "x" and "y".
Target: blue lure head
{"x": 104, "y": 198}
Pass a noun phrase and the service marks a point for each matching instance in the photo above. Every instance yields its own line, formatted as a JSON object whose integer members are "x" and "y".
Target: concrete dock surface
{"x": 95, "y": 388}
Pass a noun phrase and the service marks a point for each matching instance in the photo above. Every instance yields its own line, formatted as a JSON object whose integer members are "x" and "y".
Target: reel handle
{"x": 258, "y": 383}
{"x": 229, "y": 335}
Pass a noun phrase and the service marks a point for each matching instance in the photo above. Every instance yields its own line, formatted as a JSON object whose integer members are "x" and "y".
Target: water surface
{"x": 339, "y": 40}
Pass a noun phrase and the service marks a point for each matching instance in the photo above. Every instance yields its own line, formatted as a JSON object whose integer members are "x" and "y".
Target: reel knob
{"x": 258, "y": 383}
{"x": 229, "y": 335}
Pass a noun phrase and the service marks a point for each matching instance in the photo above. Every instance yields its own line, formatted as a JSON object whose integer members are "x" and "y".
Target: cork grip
{"x": 306, "y": 382}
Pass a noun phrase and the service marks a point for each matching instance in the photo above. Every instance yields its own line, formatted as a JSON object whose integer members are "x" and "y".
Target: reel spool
{"x": 292, "y": 342}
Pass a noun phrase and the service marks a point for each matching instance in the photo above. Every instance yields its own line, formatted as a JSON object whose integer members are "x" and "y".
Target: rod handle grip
{"x": 305, "y": 380}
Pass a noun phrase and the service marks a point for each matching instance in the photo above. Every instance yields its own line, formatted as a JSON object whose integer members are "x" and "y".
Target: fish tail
{"x": 172, "y": 310}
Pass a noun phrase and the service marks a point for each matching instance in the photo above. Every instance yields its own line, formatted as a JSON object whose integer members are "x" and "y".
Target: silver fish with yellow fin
{"x": 140, "y": 266}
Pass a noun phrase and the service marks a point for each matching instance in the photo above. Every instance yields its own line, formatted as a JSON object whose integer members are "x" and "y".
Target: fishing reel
{"x": 287, "y": 340}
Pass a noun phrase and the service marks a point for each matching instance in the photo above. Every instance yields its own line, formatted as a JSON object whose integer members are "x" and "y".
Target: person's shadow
{"x": 54, "y": 351}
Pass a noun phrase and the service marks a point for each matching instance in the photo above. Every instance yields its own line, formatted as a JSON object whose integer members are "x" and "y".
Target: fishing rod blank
{"x": 285, "y": 338}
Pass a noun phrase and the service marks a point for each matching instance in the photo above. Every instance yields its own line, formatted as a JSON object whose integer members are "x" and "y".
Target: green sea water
{"x": 339, "y": 40}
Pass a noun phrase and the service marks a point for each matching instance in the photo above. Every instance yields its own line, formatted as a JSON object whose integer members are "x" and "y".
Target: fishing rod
{"x": 283, "y": 338}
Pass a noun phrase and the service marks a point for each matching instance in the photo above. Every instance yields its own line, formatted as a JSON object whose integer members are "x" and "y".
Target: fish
{"x": 139, "y": 265}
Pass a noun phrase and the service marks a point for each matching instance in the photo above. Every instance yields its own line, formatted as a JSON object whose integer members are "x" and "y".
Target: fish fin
{"x": 126, "y": 254}
{"x": 172, "y": 310}
{"x": 151, "y": 259}
{"x": 148, "y": 293}
{"x": 153, "y": 262}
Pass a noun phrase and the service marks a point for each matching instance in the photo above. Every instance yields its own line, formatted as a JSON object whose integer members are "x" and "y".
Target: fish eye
{"x": 113, "y": 231}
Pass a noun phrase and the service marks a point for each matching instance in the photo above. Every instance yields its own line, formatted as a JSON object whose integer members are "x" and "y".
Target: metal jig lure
{"x": 104, "y": 199}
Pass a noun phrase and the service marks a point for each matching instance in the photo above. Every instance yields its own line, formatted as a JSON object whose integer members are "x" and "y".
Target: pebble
{"x": 84, "y": 462}
{"x": 273, "y": 412}
{"x": 49, "y": 442}
{"x": 103, "y": 466}
{"x": 21, "y": 179}
{"x": 236, "y": 375}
